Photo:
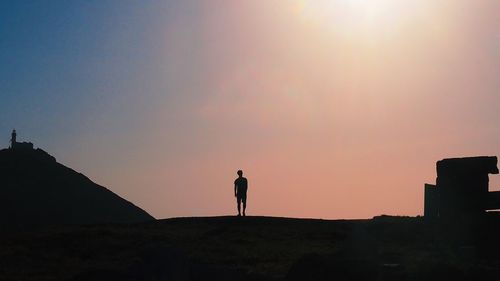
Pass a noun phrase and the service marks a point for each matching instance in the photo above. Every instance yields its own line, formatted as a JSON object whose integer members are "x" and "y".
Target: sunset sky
{"x": 333, "y": 109}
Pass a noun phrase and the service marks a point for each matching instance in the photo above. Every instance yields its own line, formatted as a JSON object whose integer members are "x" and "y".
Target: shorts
{"x": 240, "y": 198}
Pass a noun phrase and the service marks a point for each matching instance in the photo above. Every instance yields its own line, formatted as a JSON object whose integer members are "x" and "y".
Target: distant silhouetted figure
{"x": 240, "y": 192}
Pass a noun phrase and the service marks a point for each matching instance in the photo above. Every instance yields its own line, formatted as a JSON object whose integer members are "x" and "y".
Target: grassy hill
{"x": 249, "y": 248}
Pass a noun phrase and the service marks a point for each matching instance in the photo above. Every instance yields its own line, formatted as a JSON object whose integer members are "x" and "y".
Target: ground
{"x": 252, "y": 248}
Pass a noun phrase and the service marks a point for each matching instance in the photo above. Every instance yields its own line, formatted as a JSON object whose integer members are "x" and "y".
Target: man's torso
{"x": 241, "y": 186}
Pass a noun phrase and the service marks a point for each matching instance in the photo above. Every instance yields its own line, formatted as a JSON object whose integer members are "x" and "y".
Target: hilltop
{"x": 251, "y": 248}
{"x": 36, "y": 190}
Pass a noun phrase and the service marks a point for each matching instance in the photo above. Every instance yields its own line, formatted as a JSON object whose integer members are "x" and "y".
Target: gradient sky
{"x": 334, "y": 109}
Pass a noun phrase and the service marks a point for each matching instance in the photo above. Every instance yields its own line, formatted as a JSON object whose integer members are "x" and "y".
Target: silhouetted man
{"x": 240, "y": 191}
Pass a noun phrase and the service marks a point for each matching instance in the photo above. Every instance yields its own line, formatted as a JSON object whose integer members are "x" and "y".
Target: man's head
{"x": 240, "y": 173}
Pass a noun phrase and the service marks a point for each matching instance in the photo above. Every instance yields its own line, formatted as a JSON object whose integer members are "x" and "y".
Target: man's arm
{"x": 235, "y": 189}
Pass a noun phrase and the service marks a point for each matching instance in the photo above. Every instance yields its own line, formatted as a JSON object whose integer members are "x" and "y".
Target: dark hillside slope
{"x": 36, "y": 190}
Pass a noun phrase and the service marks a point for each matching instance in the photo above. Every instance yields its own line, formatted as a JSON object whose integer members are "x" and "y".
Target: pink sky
{"x": 332, "y": 110}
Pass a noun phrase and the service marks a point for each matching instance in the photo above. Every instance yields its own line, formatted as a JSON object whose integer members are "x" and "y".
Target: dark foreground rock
{"x": 166, "y": 264}
{"x": 253, "y": 249}
{"x": 321, "y": 268}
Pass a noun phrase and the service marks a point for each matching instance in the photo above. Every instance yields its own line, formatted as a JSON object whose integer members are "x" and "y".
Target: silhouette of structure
{"x": 462, "y": 188}
{"x": 19, "y": 145}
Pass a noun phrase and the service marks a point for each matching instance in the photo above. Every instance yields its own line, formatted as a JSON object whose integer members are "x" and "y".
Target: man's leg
{"x": 244, "y": 205}
{"x": 239, "y": 205}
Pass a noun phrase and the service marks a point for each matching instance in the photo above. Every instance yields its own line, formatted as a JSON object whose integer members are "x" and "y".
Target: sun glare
{"x": 352, "y": 15}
